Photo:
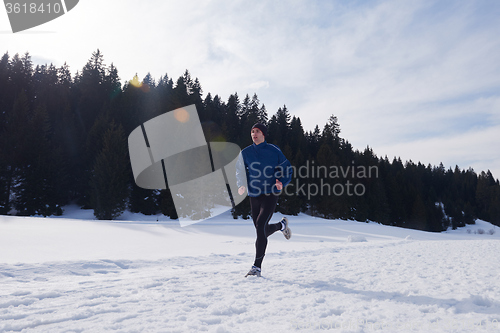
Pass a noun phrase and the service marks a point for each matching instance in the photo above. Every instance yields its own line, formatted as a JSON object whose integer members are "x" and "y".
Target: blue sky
{"x": 415, "y": 79}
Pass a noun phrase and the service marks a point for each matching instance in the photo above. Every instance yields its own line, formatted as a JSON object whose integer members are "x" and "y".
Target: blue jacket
{"x": 261, "y": 165}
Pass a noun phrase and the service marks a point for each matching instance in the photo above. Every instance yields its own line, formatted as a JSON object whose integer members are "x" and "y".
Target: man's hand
{"x": 279, "y": 185}
{"x": 241, "y": 190}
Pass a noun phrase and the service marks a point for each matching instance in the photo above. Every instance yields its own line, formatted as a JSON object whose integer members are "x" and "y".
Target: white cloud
{"x": 258, "y": 85}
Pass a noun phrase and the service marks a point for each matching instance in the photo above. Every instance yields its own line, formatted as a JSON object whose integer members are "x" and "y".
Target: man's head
{"x": 258, "y": 133}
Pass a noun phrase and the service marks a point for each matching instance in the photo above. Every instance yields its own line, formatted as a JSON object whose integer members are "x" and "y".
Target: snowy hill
{"x": 76, "y": 274}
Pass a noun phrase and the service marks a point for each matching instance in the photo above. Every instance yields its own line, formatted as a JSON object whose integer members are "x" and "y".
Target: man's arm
{"x": 284, "y": 171}
{"x": 241, "y": 174}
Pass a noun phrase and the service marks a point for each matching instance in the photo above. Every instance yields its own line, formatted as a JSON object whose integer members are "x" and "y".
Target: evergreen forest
{"x": 63, "y": 139}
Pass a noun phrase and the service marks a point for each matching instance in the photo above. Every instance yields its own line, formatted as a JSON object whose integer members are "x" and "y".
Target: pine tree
{"x": 249, "y": 115}
{"x": 42, "y": 178}
{"x": 14, "y": 142}
{"x": 91, "y": 93}
{"x": 313, "y": 142}
{"x": 180, "y": 94}
{"x": 231, "y": 122}
{"x": 262, "y": 115}
{"x": 5, "y": 95}
{"x": 165, "y": 88}
{"x": 21, "y": 72}
{"x": 331, "y": 130}
{"x": 282, "y": 126}
{"x": 111, "y": 82}
{"x": 110, "y": 175}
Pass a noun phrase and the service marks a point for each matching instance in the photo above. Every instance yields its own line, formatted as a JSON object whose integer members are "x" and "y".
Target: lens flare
{"x": 181, "y": 115}
{"x": 135, "y": 82}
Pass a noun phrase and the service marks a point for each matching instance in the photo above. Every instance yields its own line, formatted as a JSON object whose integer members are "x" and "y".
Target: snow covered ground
{"x": 75, "y": 274}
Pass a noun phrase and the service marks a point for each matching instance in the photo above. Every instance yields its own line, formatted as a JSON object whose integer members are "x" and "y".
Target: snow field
{"x": 146, "y": 277}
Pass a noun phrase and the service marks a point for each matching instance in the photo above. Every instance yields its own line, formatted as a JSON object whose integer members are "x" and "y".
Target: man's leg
{"x": 262, "y": 210}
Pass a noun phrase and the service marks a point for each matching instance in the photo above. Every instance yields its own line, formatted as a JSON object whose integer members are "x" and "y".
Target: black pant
{"x": 262, "y": 210}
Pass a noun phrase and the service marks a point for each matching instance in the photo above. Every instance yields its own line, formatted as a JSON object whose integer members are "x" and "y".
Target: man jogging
{"x": 267, "y": 171}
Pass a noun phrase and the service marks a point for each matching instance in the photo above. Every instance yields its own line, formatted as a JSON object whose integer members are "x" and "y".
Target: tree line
{"x": 63, "y": 139}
